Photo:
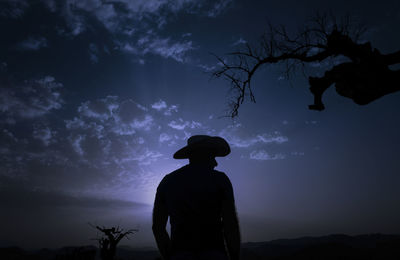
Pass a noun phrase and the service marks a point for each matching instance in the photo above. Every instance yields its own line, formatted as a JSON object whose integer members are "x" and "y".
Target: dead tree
{"x": 110, "y": 239}
{"x": 362, "y": 75}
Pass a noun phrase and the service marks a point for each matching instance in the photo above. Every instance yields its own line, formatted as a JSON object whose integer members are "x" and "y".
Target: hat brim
{"x": 216, "y": 146}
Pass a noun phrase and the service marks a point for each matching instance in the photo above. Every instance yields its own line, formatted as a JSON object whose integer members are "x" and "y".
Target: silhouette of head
{"x": 203, "y": 149}
{"x": 203, "y": 146}
{"x": 203, "y": 157}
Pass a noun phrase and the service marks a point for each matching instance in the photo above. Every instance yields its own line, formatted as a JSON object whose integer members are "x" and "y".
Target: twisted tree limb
{"x": 364, "y": 77}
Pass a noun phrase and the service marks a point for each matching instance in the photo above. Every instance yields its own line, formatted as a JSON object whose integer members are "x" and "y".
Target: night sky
{"x": 96, "y": 96}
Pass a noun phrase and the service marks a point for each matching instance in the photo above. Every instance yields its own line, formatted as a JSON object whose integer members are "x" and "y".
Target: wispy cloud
{"x": 76, "y": 142}
{"x": 93, "y": 53}
{"x": 171, "y": 109}
{"x": 164, "y": 137}
{"x": 295, "y": 153}
{"x": 44, "y": 134}
{"x": 232, "y": 134}
{"x": 114, "y": 15}
{"x": 40, "y": 198}
{"x": 32, "y": 44}
{"x": 101, "y": 109}
{"x": 218, "y": 8}
{"x": 159, "y": 105}
{"x": 136, "y": 26}
{"x": 31, "y": 99}
{"x": 206, "y": 68}
{"x": 263, "y": 155}
{"x": 181, "y": 124}
{"x": 240, "y": 41}
{"x": 13, "y": 9}
{"x": 164, "y": 47}
{"x": 147, "y": 157}
{"x": 109, "y": 142}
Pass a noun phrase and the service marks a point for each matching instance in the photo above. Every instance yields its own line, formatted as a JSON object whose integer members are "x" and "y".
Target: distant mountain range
{"x": 332, "y": 247}
{"x": 343, "y": 247}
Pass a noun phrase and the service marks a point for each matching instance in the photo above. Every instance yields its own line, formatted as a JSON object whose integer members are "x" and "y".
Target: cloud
{"x": 234, "y": 137}
{"x": 117, "y": 136}
{"x": 263, "y": 155}
{"x": 44, "y": 134}
{"x": 206, "y": 68}
{"x": 114, "y": 15}
{"x": 125, "y": 17}
{"x": 178, "y": 124}
{"x": 160, "y": 105}
{"x": 72, "y": 11}
{"x": 181, "y": 124}
{"x": 13, "y": 9}
{"x": 164, "y": 47}
{"x": 144, "y": 123}
{"x": 76, "y": 143}
{"x": 101, "y": 109}
{"x": 295, "y": 153}
{"x": 170, "y": 110}
{"x": 129, "y": 111}
{"x": 31, "y": 99}
{"x": 42, "y": 198}
{"x": 164, "y": 137}
{"x": 147, "y": 157}
{"x": 8, "y": 135}
{"x": 32, "y": 44}
{"x": 8, "y": 156}
{"x": 23, "y": 206}
{"x": 107, "y": 131}
{"x": 275, "y": 137}
{"x": 93, "y": 53}
{"x": 135, "y": 26}
{"x": 125, "y": 116}
{"x": 110, "y": 148}
{"x": 108, "y": 144}
{"x": 240, "y": 41}
{"x": 218, "y": 8}
{"x": 127, "y": 47}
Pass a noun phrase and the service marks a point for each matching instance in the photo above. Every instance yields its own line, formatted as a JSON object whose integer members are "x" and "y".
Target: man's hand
{"x": 160, "y": 218}
{"x": 231, "y": 229}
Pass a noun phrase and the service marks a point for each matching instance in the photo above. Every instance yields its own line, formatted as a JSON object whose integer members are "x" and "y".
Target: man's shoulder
{"x": 221, "y": 175}
{"x": 174, "y": 174}
{"x": 178, "y": 173}
{"x": 171, "y": 178}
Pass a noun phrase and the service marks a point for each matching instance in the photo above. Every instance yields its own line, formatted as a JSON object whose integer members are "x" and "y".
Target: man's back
{"x": 193, "y": 196}
{"x": 199, "y": 202}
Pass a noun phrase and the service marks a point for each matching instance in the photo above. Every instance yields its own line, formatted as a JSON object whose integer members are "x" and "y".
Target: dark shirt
{"x": 193, "y": 197}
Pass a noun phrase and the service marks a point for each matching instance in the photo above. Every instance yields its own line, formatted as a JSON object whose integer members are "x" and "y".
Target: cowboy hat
{"x": 215, "y": 145}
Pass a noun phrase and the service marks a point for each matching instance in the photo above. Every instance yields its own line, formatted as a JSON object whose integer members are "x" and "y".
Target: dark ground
{"x": 338, "y": 247}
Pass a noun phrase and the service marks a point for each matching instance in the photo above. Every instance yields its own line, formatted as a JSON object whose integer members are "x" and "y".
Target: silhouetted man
{"x": 200, "y": 204}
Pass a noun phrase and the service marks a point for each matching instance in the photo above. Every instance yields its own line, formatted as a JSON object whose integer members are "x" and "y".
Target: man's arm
{"x": 231, "y": 229}
{"x": 230, "y": 220}
{"x": 160, "y": 218}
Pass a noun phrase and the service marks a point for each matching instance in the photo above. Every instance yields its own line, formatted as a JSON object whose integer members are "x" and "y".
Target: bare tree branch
{"x": 365, "y": 78}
